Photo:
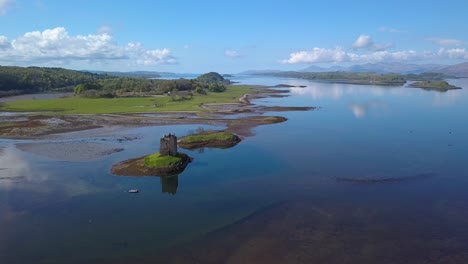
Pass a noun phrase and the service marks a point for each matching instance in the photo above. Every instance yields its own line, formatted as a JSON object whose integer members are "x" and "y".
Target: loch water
{"x": 389, "y": 163}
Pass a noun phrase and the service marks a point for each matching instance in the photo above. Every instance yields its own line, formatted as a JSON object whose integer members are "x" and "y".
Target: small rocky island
{"x": 434, "y": 85}
{"x": 210, "y": 139}
{"x": 168, "y": 161}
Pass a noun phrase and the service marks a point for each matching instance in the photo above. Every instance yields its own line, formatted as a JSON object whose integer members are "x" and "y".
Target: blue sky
{"x": 229, "y": 36}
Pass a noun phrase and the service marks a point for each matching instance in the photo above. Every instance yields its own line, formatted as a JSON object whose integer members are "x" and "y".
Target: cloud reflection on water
{"x": 447, "y": 98}
{"x": 25, "y": 185}
{"x": 360, "y": 110}
{"x": 15, "y": 169}
{"x": 339, "y": 91}
{"x": 318, "y": 92}
{"x": 373, "y": 96}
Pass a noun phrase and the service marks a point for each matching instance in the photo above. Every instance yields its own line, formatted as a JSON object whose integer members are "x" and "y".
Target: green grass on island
{"x": 209, "y": 136}
{"x": 434, "y": 85}
{"x": 157, "y": 161}
{"x": 78, "y": 105}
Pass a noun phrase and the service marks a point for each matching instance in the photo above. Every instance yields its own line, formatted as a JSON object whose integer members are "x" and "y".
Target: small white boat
{"x": 133, "y": 191}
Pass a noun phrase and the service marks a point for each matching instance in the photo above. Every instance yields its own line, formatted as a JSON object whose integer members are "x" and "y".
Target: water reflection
{"x": 317, "y": 92}
{"x": 62, "y": 209}
{"x": 27, "y": 185}
{"x": 360, "y": 110}
{"x": 169, "y": 184}
{"x": 447, "y": 99}
{"x": 337, "y": 91}
{"x": 70, "y": 151}
{"x": 14, "y": 169}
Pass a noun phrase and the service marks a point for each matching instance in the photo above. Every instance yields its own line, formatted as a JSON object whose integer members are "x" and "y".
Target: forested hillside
{"x": 19, "y": 80}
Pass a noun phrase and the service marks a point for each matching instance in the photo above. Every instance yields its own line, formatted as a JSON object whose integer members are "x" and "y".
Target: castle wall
{"x": 168, "y": 145}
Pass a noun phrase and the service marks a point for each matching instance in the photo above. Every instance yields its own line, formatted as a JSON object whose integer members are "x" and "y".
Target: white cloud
{"x": 363, "y": 42}
{"x": 146, "y": 57}
{"x": 366, "y": 42}
{"x": 365, "y": 50}
{"x": 4, "y": 43}
{"x": 56, "y": 45}
{"x": 338, "y": 55}
{"x": 456, "y": 53}
{"x": 187, "y": 46}
{"x": 386, "y": 56}
{"x": 5, "y": 5}
{"x": 446, "y": 41}
{"x": 233, "y": 53}
{"x": 317, "y": 55}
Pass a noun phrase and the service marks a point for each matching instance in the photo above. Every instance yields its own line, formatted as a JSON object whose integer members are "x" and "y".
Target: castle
{"x": 168, "y": 146}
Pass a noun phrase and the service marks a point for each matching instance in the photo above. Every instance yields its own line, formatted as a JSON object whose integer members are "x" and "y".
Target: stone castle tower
{"x": 168, "y": 146}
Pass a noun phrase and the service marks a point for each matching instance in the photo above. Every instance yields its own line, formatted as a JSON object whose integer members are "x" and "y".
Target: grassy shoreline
{"x": 152, "y": 165}
{"x": 211, "y": 138}
{"x": 434, "y": 85}
{"x": 77, "y": 105}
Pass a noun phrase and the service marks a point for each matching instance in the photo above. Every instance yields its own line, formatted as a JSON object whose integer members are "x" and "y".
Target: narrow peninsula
{"x": 211, "y": 139}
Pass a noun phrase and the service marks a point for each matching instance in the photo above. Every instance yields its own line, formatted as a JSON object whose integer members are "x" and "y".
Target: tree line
{"x": 20, "y": 80}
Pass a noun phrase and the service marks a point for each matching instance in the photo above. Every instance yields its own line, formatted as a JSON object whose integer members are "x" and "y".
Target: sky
{"x": 229, "y": 36}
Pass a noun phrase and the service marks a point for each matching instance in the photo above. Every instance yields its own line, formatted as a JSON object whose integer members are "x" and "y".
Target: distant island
{"x": 168, "y": 161}
{"x": 211, "y": 138}
{"x": 456, "y": 70}
{"x": 361, "y": 78}
{"x": 434, "y": 85}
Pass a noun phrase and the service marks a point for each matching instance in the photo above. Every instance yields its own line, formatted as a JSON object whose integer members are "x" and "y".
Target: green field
{"x": 209, "y": 136}
{"x": 77, "y": 105}
{"x": 157, "y": 161}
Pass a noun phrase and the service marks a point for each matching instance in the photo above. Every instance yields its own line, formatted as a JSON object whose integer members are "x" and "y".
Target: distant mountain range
{"x": 458, "y": 70}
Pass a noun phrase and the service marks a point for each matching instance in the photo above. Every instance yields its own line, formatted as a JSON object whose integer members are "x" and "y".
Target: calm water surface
{"x": 77, "y": 212}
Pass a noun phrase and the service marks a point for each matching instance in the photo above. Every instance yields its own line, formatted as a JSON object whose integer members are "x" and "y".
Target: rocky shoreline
{"x": 136, "y": 167}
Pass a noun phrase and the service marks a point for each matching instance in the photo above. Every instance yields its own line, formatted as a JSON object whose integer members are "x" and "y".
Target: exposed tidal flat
{"x": 70, "y": 151}
{"x": 273, "y": 198}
